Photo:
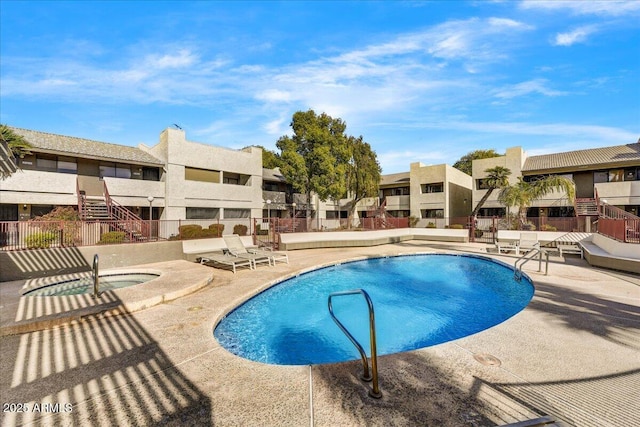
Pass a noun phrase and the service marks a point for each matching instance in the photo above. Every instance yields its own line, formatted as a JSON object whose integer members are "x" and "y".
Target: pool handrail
{"x": 96, "y": 277}
{"x": 366, "y": 376}
{"x": 517, "y": 269}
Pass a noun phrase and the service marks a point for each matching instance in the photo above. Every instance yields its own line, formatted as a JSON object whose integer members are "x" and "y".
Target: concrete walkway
{"x": 573, "y": 353}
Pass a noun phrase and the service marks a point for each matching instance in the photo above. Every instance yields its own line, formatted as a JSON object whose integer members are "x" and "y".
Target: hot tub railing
{"x": 366, "y": 376}
{"x": 96, "y": 277}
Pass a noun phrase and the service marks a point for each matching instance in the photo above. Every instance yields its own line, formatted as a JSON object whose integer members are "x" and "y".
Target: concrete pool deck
{"x": 573, "y": 353}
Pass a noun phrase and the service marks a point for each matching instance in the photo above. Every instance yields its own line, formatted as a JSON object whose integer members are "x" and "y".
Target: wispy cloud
{"x": 525, "y": 88}
{"x": 578, "y": 35}
{"x": 585, "y": 7}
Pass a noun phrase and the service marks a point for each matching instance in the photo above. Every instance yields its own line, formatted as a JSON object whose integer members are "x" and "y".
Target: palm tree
{"x": 497, "y": 177}
{"x": 523, "y": 193}
{"x": 13, "y": 145}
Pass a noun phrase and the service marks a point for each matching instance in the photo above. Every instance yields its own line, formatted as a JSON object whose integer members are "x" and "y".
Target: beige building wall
{"x": 513, "y": 159}
{"x": 454, "y": 200}
{"x": 180, "y": 193}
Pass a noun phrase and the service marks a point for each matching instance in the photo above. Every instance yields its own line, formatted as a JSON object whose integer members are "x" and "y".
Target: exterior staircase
{"x": 118, "y": 218}
{"x": 586, "y": 207}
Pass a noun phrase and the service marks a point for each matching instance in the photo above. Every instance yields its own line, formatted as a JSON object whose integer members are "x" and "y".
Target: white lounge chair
{"x": 237, "y": 249}
{"x": 228, "y": 260}
{"x": 528, "y": 241}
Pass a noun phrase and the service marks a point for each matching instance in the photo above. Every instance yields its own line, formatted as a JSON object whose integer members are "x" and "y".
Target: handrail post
{"x": 375, "y": 391}
{"x": 96, "y": 277}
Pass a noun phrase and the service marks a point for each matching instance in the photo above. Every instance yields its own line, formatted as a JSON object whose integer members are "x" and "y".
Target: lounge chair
{"x": 237, "y": 249}
{"x": 231, "y": 261}
{"x": 528, "y": 241}
{"x": 269, "y": 252}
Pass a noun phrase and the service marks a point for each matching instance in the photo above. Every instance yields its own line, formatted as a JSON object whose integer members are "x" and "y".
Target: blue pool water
{"x": 419, "y": 301}
{"x": 84, "y": 285}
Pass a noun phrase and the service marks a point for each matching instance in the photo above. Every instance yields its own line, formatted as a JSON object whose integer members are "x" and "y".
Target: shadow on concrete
{"x": 106, "y": 371}
{"x": 614, "y": 321}
{"x": 576, "y": 396}
{"x": 18, "y": 265}
{"x": 415, "y": 392}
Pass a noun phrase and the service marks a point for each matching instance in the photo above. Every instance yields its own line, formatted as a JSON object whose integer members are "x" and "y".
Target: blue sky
{"x": 420, "y": 81}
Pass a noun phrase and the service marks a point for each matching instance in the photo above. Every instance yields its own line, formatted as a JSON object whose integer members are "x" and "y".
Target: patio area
{"x": 573, "y": 353}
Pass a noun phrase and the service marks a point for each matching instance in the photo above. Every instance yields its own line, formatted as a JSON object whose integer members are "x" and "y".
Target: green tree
{"x": 523, "y": 193}
{"x": 497, "y": 177}
{"x": 270, "y": 159}
{"x": 316, "y": 158}
{"x": 465, "y": 162}
{"x": 15, "y": 146}
{"x": 364, "y": 171}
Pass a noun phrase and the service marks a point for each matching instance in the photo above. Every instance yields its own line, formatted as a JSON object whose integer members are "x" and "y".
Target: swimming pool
{"x": 419, "y": 301}
{"x": 84, "y": 285}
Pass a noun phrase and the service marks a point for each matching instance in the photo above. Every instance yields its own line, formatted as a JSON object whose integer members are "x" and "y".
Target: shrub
{"x": 478, "y": 233}
{"x": 431, "y": 225}
{"x": 240, "y": 229}
{"x": 41, "y": 239}
{"x": 413, "y": 221}
{"x": 456, "y": 226}
{"x": 261, "y": 232}
{"x": 217, "y": 229}
{"x": 112, "y": 237}
{"x": 191, "y": 231}
{"x": 547, "y": 227}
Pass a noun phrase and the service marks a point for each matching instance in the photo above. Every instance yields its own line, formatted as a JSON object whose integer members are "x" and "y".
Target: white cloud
{"x": 526, "y": 88}
{"x": 578, "y": 35}
{"x": 586, "y": 7}
{"x": 184, "y": 58}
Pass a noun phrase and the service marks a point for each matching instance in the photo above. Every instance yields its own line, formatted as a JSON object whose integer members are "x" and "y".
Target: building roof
{"x": 618, "y": 155}
{"x": 401, "y": 178}
{"x": 85, "y": 148}
{"x": 273, "y": 175}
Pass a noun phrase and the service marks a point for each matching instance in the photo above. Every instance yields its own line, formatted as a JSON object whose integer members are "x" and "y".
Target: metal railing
{"x": 517, "y": 269}
{"x": 96, "y": 277}
{"x": 366, "y": 375}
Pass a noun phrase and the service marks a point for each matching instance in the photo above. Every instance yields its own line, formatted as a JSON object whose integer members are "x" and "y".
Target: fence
{"x": 16, "y": 235}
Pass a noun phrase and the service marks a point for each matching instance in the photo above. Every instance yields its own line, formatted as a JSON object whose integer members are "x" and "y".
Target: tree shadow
{"x": 611, "y": 320}
{"x": 105, "y": 370}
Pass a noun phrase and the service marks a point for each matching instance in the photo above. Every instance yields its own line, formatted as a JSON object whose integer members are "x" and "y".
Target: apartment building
{"x": 610, "y": 173}
{"x": 174, "y": 180}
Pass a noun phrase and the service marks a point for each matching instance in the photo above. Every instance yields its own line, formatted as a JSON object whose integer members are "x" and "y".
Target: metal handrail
{"x": 96, "y": 277}
{"x": 517, "y": 270}
{"x": 366, "y": 376}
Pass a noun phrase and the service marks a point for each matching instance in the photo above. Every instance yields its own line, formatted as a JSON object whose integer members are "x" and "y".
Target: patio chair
{"x": 528, "y": 241}
{"x": 228, "y": 260}
{"x": 237, "y": 249}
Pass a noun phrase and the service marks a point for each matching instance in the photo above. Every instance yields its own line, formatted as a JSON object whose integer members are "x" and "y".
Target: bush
{"x": 413, "y": 221}
{"x": 431, "y": 225}
{"x": 191, "y": 231}
{"x": 240, "y": 229}
{"x": 112, "y": 237}
{"x": 217, "y": 229}
{"x": 41, "y": 239}
{"x": 261, "y": 232}
{"x": 547, "y": 227}
{"x": 456, "y": 226}
{"x": 478, "y": 233}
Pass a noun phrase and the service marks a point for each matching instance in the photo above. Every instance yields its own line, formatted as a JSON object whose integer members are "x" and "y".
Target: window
{"x": 632, "y": 174}
{"x": 151, "y": 174}
{"x": 107, "y": 170}
{"x": 236, "y": 213}
{"x": 123, "y": 171}
{"x": 336, "y": 214}
{"x": 270, "y": 186}
{"x": 437, "y": 187}
{"x": 432, "y": 213}
{"x": 204, "y": 175}
{"x": 203, "y": 213}
{"x": 600, "y": 176}
{"x": 481, "y": 184}
{"x": 616, "y": 175}
{"x": 67, "y": 165}
{"x": 46, "y": 163}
